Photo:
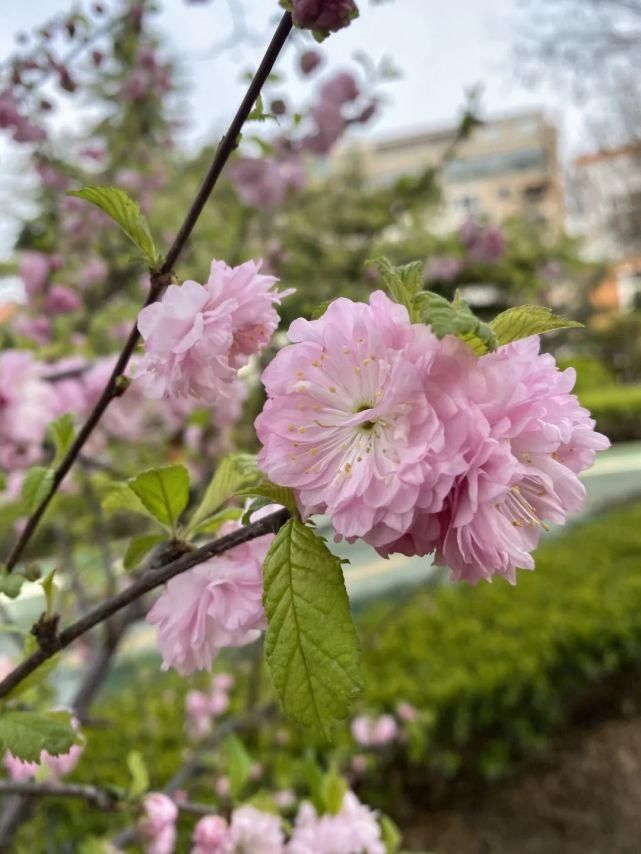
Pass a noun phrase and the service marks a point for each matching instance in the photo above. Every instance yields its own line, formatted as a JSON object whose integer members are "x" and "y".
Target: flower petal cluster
{"x": 158, "y": 826}
{"x": 322, "y": 16}
{"x": 375, "y": 732}
{"x": 26, "y": 406}
{"x": 198, "y": 336}
{"x": 353, "y": 829}
{"x": 417, "y": 446}
{"x": 217, "y": 604}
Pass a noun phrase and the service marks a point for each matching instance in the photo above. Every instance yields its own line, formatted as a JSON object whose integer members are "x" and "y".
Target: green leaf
{"x": 456, "y": 318}
{"x": 258, "y": 113}
{"x": 35, "y": 488}
{"x": 139, "y": 547}
{"x": 62, "y": 433}
{"x": 273, "y": 493}
{"x": 238, "y": 764}
{"x": 403, "y": 283}
{"x": 333, "y": 789}
{"x": 390, "y": 834}
{"x": 164, "y": 492}
{"x": 311, "y": 644}
{"x": 49, "y": 589}
{"x": 119, "y": 497}
{"x": 122, "y": 209}
{"x": 27, "y": 734}
{"x": 213, "y": 523}
{"x": 525, "y": 320}
{"x": 233, "y": 473}
{"x": 139, "y": 774}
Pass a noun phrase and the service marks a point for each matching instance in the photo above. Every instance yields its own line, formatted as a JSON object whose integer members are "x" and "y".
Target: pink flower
{"x": 322, "y": 16}
{"x": 198, "y": 714}
{"x": 19, "y": 770}
{"x": 256, "y": 831}
{"x": 215, "y": 605}
{"x": 340, "y": 89}
{"x": 406, "y": 712}
{"x": 26, "y": 407}
{"x": 443, "y": 268}
{"x": 210, "y": 836}
{"x": 284, "y": 799}
{"x": 374, "y": 732}
{"x": 158, "y": 827}
{"x": 265, "y": 182}
{"x": 484, "y": 244}
{"x": 64, "y": 764}
{"x": 38, "y": 329}
{"x": 529, "y": 439}
{"x": 222, "y": 787}
{"x": 61, "y": 300}
{"x": 35, "y": 269}
{"x": 309, "y": 61}
{"x": 198, "y": 336}
{"x": 350, "y": 422}
{"x": 353, "y": 829}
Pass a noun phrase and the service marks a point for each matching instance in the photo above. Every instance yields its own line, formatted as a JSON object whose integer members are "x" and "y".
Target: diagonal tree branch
{"x": 148, "y": 581}
{"x": 160, "y": 279}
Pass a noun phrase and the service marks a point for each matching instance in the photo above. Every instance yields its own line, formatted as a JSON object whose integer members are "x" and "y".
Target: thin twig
{"x": 100, "y": 798}
{"x": 159, "y": 280}
{"x": 148, "y": 581}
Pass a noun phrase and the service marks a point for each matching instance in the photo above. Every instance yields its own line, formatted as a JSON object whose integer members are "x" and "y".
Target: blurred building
{"x": 508, "y": 167}
{"x": 605, "y": 212}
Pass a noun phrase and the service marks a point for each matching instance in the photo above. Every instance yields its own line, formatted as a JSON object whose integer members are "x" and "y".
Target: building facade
{"x": 508, "y": 167}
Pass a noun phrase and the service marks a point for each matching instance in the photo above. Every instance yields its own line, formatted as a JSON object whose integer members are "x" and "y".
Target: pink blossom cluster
{"x": 322, "y": 16}
{"x": 417, "y": 446}
{"x": 202, "y": 708}
{"x": 158, "y": 826}
{"x": 375, "y": 732}
{"x": 485, "y": 244}
{"x": 148, "y": 78}
{"x": 198, "y": 336}
{"x": 249, "y": 829}
{"x": 217, "y": 604}
{"x": 26, "y": 404}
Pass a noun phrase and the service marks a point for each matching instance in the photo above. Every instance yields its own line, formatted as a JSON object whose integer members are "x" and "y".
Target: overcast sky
{"x": 442, "y": 49}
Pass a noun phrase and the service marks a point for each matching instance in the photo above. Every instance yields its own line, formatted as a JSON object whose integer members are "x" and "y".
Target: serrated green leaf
{"x": 62, "y": 433}
{"x": 124, "y": 211}
{"x": 390, "y": 834}
{"x": 233, "y": 473}
{"x": 403, "y": 283}
{"x": 525, "y": 320}
{"x": 120, "y": 498}
{"x": 274, "y": 494}
{"x": 456, "y": 318}
{"x": 311, "y": 644}
{"x": 238, "y": 764}
{"x": 164, "y": 492}
{"x": 36, "y": 486}
{"x": 27, "y": 734}
{"x": 139, "y": 547}
{"x": 139, "y": 774}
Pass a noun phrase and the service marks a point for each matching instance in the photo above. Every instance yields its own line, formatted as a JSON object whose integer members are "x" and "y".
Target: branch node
{"x": 45, "y": 632}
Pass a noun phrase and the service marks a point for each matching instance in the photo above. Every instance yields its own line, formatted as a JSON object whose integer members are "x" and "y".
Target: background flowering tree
{"x": 412, "y": 424}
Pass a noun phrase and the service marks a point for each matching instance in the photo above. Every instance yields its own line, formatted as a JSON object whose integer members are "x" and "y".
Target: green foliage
{"x": 233, "y": 473}
{"x": 617, "y": 410}
{"x": 238, "y": 764}
{"x": 311, "y": 644}
{"x": 456, "y": 318}
{"x": 139, "y": 774}
{"x": 164, "y": 492}
{"x": 273, "y": 494}
{"x": 139, "y": 547}
{"x": 27, "y": 734}
{"x": 11, "y": 583}
{"x": 36, "y": 486}
{"x": 62, "y": 432}
{"x": 390, "y": 835}
{"x": 403, "y": 284}
{"x": 126, "y": 213}
{"x": 524, "y": 320}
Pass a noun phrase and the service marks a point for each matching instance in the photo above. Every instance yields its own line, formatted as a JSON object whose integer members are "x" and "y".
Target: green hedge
{"x": 494, "y": 671}
{"x": 617, "y": 410}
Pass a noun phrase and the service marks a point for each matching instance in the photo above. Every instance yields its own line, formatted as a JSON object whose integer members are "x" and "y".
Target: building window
{"x": 535, "y": 193}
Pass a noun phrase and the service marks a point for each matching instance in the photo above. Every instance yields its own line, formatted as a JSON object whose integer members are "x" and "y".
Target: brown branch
{"x": 148, "y": 581}
{"x": 100, "y": 798}
{"x": 116, "y": 384}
